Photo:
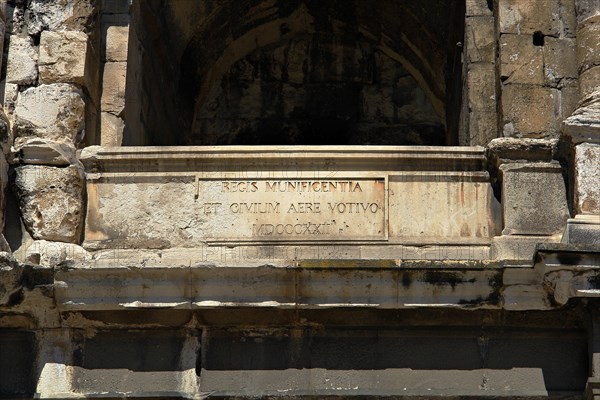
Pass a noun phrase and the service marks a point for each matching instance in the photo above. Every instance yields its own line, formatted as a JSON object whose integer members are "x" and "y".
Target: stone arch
{"x": 419, "y": 38}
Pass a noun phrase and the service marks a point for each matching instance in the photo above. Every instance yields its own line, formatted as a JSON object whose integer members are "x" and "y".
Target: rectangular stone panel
{"x": 293, "y": 209}
{"x": 357, "y": 197}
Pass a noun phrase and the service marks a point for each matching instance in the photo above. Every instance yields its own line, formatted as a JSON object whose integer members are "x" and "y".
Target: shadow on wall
{"x": 294, "y": 72}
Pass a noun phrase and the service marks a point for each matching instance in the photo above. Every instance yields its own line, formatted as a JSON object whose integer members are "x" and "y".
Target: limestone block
{"x": 63, "y": 57}
{"x": 529, "y": 111}
{"x": 46, "y": 152}
{"x": 113, "y": 87}
{"x": 51, "y": 201}
{"x": 560, "y": 64}
{"x": 112, "y": 128}
{"x": 588, "y": 44}
{"x": 10, "y": 276}
{"x": 569, "y": 100}
{"x": 51, "y": 112}
{"x": 478, "y": 7}
{"x": 483, "y": 127}
{"x": 568, "y": 16}
{"x": 60, "y": 15}
{"x": 587, "y": 9}
{"x": 50, "y": 254}
{"x": 117, "y": 40}
{"x": 5, "y": 134}
{"x": 534, "y": 199}
{"x": 481, "y": 79}
{"x": 11, "y": 90}
{"x": 589, "y": 82}
{"x": 587, "y": 178}
{"x": 481, "y": 39}
{"x": 520, "y": 60}
{"x": 527, "y": 17}
{"x": 21, "y": 64}
{"x": 584, "y": 124}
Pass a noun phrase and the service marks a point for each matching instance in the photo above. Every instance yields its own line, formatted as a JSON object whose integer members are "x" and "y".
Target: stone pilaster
{"x": 583, "y": 127}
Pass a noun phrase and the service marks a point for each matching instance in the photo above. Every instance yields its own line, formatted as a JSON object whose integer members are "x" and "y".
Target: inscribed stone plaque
{"x": 289, "y": 210}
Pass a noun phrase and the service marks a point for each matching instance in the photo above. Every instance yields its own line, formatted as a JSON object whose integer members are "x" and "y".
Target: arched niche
{"x": 295, "y": 72}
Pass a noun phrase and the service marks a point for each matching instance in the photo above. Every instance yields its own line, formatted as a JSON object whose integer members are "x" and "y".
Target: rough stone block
{"x": 51, "y": 201}
{"x": 481, "y": 39}
{"x": 528, "y": 17}
{"x": 10, "y": 275}
{"x": 481, "y": 82}
{"x": 46, "y": 152}
{"x": 112, "y": 128}
{"x": 21, "y": 67}
{"x": 569, "y": 100}
{"x": 76, "y": 15}
{"x": 11, "y": 90}
{"x": 534, "y": 199}
{"x": 530, "y": 111}
{"x": 587, "y": 178}
{"x": 50, "y": 254}
{"x": 587, "y": 9}
{"x": 568, "y": 17}
{"x": 589, "y": 82}
{"x": 560, "y": 64}
{"x": 588, "y": 45}
{"x": 113, "y": 89}
{"x": 483, "y": 127}
{"x": 117, "y": 41}
{"x": 479, "y": 7}
{"x": 50, "y": 112}
{"x": 63, "y": 57}
{"x": 520, "y": 60}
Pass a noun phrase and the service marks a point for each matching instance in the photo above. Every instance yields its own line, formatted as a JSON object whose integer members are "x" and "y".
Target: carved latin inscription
{"x": 275, "y": 210}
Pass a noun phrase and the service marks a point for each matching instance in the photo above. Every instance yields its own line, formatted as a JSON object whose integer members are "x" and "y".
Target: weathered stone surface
{"x": 534, "y": 199}
{"x": 51, "y": 112}
{"x": 46, "y": 152}
{"x": 117, "y": 40}
{"x": 21, "y": 64}
{"x": 479, "y": 7}
{"x": 10, "y": 275}
{"x": 480, "y": 37}
{"x": 587, "y": 178}
{"x": 521, "y": 61}
{"x": 584, "y": 124}
{"x": 50, "y": 254}
{"x": 560, "y": 63}
{"x": 63, "y": 57}
{"x": 588, "y": 44}
{"x": 587, "y": 9}
{"x": 5, "y": 134}
{"x": 583, "y": 229}
{"x": 60, "y": 15}
{"x": 589, "y": 82}
{"x": 529, "y": 111}
{"x": 113, "y": 87}
{"x": 112, "y": 128}
{"x": 527, "y": 17}
{"x": 50, "y": 200}
{"x": 502, "y": 150}
{"x": 11, "y": 91}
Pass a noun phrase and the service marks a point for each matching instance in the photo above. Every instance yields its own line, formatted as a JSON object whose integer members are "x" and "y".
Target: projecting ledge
{"x": 267, "y": 286}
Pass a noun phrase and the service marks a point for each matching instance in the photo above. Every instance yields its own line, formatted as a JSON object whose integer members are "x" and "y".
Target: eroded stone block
{"x": 21, "y": 65}
{"x": 50, "y": 200}
{"x": 481, "y": 39}
{"x": 527, "y": 17}
{"x": 117, "y": 39}
{"x": 46, "y": 152}
{"x": 113, "y": 88}
{"x": 50, "y": 254}
{"x": 560, "y": 63}
{"x": 534, "y": 199}
{"x": 529, "y": 111}
{"x": 587, "y": 176}
{"x": 62, "y": 57}
{"x": 62, "y": 15}
{"x": 521, "y": 61}
{"x": 112, "y": 128}
{"x": 51, "y": 112}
